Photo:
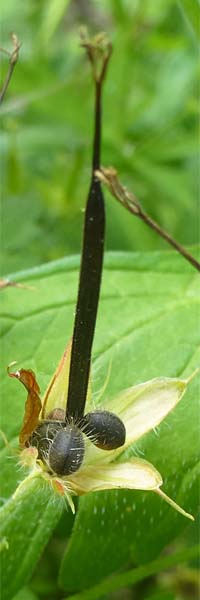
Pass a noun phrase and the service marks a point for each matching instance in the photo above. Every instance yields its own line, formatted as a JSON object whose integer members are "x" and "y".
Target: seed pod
{"x": 67, "y": 451}
{"x": 104, "y": 429}
{"x": 60, "y": 445}
{"x": 43, "y": 437}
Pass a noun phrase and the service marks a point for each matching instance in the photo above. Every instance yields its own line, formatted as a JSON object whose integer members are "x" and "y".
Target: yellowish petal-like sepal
{"x": 137, "y": 474}
{"x": 144, "y": 406}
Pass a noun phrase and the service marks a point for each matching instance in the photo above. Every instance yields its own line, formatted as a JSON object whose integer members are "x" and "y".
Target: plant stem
{"x": 13, "y": 60}
{"x": 156, "y": 227}
{"x": 133, "y": 576}
{"x": 90, "y": 272}
{"x": 128, "y": 200}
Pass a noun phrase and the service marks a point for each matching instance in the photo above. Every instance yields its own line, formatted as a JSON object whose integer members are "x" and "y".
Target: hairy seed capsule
{"x": 67, "y": 451}
{"x": 59, "y": 445}
{"x": 104, "y": 429}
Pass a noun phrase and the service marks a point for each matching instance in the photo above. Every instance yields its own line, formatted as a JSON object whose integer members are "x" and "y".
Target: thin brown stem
{"x": 13, "y": 60}
{"x": 156, "y": 227}
{"x": 110, "y": 179}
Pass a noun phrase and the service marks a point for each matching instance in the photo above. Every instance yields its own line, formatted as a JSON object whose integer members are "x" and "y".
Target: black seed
{"x": 104, "y": 429}
{"x": 43, "y": 437}
{"x": 67, "y": 451}
{"x": 59, "y": 445}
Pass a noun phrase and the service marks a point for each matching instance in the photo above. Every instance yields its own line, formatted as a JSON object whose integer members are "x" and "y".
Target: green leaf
{"x": 26, "y": 594}
{"x": 135, "y": 575}
{"x": 191, "y": 13}
{"x": 53, "y": 14}
{"x": 119, "y": 524}
{"x": 27, "y": 521}
{"x": 147, "y": 327}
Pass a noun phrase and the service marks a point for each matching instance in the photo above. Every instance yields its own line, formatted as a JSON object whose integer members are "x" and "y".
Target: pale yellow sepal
{"x": 141, "y": 408}
{"x": 137, "y": 474}
{"x": 144, "y": 406}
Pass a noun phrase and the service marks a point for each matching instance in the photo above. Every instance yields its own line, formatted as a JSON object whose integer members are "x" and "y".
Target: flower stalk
{"x": 92, "y": 251}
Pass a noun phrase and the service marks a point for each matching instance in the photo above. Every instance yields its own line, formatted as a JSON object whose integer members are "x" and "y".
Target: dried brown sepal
{"x": 33, "y": 403}
{"x": 16, "y": 48}
{"x": 4, "y": 283}
{"x": 110, "y": 178}
{"x": 98, "y": 49}
{"x": 13, "y": 60}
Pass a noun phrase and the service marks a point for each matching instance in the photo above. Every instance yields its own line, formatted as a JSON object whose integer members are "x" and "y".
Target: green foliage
{"x": 149, "y": 130}
{"x": 26, "y": 594}
{"x": 146, "y": 328}
{"x": 27, "y": 523}
{"x": 191, "y": 14}
{"x": 138, "y": 574}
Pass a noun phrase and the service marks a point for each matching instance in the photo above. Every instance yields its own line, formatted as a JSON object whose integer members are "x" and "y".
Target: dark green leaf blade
{"x": 27, "y": 521}
{"x": 123, "y": 524}
{"x": 146, "y": 327}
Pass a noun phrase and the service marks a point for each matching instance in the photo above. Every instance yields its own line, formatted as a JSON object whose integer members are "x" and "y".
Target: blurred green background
{"x": 149, "y": 128}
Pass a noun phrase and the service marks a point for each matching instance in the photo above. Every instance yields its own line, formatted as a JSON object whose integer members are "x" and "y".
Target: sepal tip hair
{"x": 98, "y": 50}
